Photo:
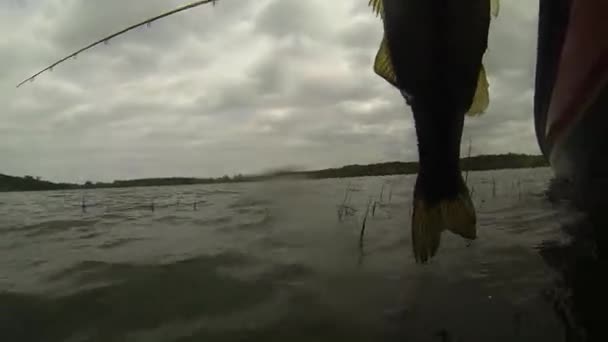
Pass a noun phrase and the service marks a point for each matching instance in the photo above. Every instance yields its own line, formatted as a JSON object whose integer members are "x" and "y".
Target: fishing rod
{"x": 107, "y": 39}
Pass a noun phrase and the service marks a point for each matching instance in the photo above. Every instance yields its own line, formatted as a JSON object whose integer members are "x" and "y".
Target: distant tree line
{"x": 30, "y": 183}
{"x": 482, "y": 162}
{"x": 476, "y": 163}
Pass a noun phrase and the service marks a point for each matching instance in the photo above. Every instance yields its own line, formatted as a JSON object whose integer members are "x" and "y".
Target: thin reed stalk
{"x": 466, "y": 173}
{"x": 362, "y": 233}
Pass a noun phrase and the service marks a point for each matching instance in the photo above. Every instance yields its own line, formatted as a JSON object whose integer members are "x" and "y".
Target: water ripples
{"x": 271, "y": 261}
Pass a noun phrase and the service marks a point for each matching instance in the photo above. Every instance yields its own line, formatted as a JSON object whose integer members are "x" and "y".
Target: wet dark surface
{"x": 274, "y": 262}
{"x": 581, "y": 263}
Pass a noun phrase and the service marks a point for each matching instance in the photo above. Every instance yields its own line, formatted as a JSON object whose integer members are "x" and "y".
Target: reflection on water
{"x": 274, "y": 262}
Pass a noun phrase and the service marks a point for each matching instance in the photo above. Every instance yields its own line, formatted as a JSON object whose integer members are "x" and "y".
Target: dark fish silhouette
{"x": 432, "y": 52}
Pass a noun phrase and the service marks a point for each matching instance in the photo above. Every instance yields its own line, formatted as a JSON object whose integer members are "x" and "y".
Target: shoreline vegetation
{"x": 475, "y": 163}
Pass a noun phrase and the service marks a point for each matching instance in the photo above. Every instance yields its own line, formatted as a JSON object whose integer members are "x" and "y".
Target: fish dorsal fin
{"x": 378, "y": 6}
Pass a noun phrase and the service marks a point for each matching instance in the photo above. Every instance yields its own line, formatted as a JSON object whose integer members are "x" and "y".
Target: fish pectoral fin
{"x": 429, "y": 222}
{"x": 383, "y": 65}
{"x": 481, "y": 99}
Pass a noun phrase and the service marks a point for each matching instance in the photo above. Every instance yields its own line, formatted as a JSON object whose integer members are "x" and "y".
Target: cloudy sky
{"x": 245, "y": 86}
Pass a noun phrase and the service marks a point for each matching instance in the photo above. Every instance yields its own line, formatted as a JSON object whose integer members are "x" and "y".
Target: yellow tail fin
{"x": 427, "y": 226}
{"x": 429, "y": 222}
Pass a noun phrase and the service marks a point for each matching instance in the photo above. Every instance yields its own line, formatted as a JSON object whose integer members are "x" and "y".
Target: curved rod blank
{"x": 106, "y": 39}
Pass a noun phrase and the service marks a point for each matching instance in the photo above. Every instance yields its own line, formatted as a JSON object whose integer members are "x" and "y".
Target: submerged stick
{"x": 106, "y": 39}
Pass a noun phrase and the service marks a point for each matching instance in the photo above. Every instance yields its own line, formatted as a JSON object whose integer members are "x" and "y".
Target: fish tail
{"x": 427, "y": 226}
{"x": 430, "y": 220}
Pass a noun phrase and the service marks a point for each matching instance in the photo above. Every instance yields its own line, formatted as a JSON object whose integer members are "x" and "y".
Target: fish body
{"x": 432, "y": 52}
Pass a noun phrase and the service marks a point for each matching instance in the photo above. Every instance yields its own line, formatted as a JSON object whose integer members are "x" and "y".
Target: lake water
{"x": 273, "y": 261}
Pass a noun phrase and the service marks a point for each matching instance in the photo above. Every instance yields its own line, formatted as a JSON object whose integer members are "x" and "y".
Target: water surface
{"x": 273, "y": 261}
